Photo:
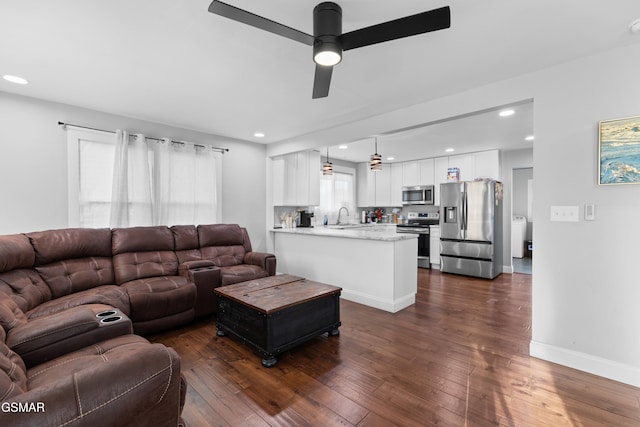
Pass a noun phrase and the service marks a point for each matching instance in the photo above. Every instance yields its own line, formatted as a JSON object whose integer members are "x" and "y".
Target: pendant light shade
{"x": 375, "y": 161}
{"x": 327, "y": 167}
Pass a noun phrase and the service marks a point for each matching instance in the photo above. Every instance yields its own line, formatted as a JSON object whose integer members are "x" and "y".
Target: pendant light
{"x": 327, "y": 167}
{"x": 375, "y": 162}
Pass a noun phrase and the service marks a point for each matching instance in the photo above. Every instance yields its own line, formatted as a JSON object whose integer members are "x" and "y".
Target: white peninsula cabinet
{"x": 296, "y": 179}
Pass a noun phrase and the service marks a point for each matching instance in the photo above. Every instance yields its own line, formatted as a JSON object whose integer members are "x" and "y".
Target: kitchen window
{"x": 336, "y": 191}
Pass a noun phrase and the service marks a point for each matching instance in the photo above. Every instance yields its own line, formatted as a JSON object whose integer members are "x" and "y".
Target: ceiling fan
{"x": 329, "y": 42}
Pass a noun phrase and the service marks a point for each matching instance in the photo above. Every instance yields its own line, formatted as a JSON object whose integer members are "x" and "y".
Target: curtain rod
{"x": 222, "y": 150}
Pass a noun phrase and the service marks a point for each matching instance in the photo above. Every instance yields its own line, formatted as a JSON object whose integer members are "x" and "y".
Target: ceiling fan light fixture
{"x": 327, "y": 58}
{"x": 327, "y": 26}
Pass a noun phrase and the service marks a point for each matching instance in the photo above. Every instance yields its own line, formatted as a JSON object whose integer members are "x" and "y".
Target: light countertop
{"x": 383, "y": 232}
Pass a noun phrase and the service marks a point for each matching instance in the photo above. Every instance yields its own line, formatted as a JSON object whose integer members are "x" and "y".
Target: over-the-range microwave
{"x": 418, "y": 195}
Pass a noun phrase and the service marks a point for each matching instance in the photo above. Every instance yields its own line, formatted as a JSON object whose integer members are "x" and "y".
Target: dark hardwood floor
{"x": 458, "y": 357}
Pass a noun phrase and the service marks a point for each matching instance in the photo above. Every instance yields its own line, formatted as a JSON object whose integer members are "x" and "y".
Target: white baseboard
{"x": 392, "y": 306}
{"x": 585, "y": 362}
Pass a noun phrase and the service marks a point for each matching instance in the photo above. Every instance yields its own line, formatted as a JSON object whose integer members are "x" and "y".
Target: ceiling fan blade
{"x": 232, "y": 12}
{"x": 322, "y": 81}
{"x": 433, "y": 20}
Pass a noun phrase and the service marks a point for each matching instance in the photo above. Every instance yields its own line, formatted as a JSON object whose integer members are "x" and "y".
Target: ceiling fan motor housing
{"x": 327, "y": 26}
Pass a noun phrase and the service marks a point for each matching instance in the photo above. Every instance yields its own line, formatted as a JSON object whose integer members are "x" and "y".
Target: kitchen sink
{"x": 345, "y": 226}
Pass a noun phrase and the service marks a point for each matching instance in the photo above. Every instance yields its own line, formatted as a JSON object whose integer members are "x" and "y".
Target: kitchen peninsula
{"x": 372, "y": 264}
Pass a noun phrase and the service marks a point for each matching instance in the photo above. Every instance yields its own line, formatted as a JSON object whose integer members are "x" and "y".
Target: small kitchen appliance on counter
{"x": 305, "y": 219}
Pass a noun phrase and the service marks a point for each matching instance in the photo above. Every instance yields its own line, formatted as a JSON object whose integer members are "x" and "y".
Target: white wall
{"x": 586, "y": 293}
{"x": 585, "y": 286}
{"x": 33, "y": 165}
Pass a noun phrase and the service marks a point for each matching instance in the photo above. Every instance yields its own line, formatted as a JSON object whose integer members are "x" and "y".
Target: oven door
{"x": 423, "y": 243}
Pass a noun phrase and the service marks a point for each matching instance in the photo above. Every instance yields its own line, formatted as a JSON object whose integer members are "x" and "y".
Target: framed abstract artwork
{"x": 619, "y": 151}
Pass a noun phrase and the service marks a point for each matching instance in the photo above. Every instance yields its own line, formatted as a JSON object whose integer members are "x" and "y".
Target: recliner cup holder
{"x": 106, "y": 313}
{"x": 110, "y": 319}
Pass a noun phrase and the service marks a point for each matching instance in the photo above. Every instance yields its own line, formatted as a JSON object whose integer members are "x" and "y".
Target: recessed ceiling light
{"x": 259, "y": 134}
{"x": 343, "y": 147}
{"x": 450, "y": 150}
{"x": 15, "y": 79}
{"x": 529, "y": 138}
{"x": 506, "y": 113}
{"x": 634, "y": 27}
{"x": 391, "y": 158}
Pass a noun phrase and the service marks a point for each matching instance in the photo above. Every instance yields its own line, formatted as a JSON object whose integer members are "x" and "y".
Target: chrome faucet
{"x": 339, "y": 212}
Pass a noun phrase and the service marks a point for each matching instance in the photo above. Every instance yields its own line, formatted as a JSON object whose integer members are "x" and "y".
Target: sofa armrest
{"x": 206, "y": 277}
{"x": 48, "y": 337}
{"x": 141, "y": 387}
{"x": 192, "y": 265}
{"x": 262, "y": 259}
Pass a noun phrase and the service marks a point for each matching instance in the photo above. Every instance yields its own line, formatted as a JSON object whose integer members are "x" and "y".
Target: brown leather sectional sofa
{"x": 70, "y": 300}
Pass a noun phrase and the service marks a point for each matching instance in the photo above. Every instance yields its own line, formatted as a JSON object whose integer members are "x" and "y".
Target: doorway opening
{"x": 522, "y": 221}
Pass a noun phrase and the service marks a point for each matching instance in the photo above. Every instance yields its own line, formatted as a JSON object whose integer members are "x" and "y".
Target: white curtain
{"x": 131, "y": 196}
{"x": 164, "y": 183}
{"x": 187, "y": 178}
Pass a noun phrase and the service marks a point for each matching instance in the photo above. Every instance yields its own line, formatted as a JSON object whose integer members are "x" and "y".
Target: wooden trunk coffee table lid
{"x": 276, "y": 292}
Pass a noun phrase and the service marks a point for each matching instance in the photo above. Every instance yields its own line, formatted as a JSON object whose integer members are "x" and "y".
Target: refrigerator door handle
{"x": 464, "y": 215}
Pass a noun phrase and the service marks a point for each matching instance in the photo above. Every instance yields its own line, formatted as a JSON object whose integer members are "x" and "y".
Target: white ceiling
{"x": 173, "y": 62}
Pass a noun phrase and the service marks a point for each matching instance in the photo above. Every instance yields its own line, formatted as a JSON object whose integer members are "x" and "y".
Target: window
{"x": 336, "y": 191}
{"x": 157, "y": 182}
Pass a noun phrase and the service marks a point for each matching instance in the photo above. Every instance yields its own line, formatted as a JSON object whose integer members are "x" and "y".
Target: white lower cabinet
{"x": 434, "y": 245}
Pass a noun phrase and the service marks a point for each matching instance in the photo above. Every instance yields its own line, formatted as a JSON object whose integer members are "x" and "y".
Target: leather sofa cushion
{"x": 56, "y": 245}
{"x": 25, "y": 287}
{"x": 15, "y": 252}
{"x": 223, "y": 256}
{"x": 140, "y": 265}
{"x": 13, "y": 373}
{"x": 110, "y": 295}
{"x": 220, "y": 235}
{"x": 141, "y": 239}
{"x": 10, "y": 314}
{"x": 186, "y": 243}
{"x": 125, "y": 377}
{"x": 185, "y": 237}
{"x": 158, "y": 297}
{"x": 74, "y": 275}
{"x": 241, "y": 273}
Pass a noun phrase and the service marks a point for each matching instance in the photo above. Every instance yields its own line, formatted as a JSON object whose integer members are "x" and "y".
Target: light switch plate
{"x": 590, "y": 212}
{"x": 565, "y": 213}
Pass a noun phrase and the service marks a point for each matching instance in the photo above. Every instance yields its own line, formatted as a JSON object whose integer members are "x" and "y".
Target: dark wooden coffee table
{"x": 276, "y": 313}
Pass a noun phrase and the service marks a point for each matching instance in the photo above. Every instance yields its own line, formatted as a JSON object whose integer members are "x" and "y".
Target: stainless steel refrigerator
{"x": 471, "y": 228}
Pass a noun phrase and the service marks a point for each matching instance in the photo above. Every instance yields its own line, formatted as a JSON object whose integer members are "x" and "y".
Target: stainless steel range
{"x": 419, "y": 223}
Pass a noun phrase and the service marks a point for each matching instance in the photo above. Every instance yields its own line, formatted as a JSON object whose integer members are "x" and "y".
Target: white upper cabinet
{"x": 483, "y": 164}
{"x": 441, "y": 164}
{"x": 296, "y": 179}
{"x": 396, "y": 184}
{"x": 487, "y": 164}
{"x": 365, "y": 186}
{"x": 410, "y": 173}
{"x": 382, "y": 188}
{"x": 425, "y": 171}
